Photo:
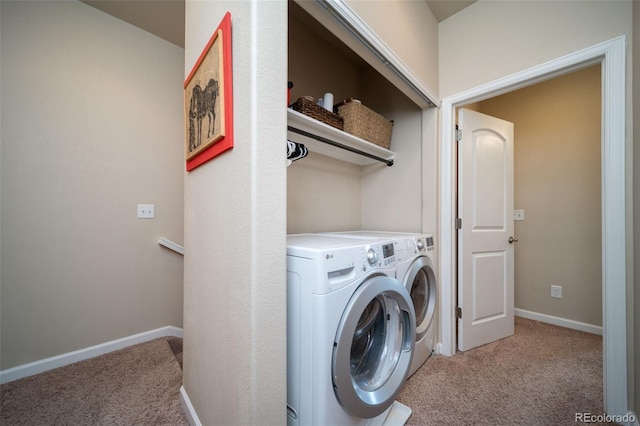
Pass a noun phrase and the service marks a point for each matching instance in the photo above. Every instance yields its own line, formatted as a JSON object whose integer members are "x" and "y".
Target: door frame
{"x": 612, "y": 57}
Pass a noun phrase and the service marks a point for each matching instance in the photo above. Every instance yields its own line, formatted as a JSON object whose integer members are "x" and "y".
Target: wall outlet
{"x": 556, "y": 291}
{"x": 146, "y": 211}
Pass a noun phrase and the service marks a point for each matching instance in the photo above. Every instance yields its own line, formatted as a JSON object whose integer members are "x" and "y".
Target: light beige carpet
{"x": 138, "y": 385}
{"x": 543, "y": 375}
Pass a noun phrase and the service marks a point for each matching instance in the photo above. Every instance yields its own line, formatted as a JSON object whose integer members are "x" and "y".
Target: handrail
{"x": 171, "y": 245}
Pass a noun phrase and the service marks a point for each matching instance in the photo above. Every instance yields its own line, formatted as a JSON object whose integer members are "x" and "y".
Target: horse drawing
{"x": 202, "y": 104}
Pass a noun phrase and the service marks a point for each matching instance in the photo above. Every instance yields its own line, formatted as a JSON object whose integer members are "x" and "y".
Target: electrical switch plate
{"x": 146, "y": 211}
{"x": 556, "y": 291}
{"x": 518, "y": 215}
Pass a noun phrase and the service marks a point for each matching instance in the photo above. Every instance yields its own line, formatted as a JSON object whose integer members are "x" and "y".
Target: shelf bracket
{"x": 339, "y": 145}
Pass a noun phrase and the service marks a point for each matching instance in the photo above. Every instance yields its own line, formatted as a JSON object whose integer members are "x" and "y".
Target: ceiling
{"x": 442, "y": 9}
{"x": 165, "y": 18}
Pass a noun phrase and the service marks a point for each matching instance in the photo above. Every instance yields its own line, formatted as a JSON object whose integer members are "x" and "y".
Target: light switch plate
{"x": 518, "y": 215}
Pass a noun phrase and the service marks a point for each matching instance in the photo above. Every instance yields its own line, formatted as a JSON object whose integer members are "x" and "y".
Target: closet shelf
{"x": 326, "y": 140}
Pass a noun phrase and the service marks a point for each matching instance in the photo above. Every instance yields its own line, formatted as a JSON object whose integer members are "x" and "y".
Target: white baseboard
{"x": 188, "y": 408}
{"x": 562, "y": 322}
{"x": 47, "y": 364}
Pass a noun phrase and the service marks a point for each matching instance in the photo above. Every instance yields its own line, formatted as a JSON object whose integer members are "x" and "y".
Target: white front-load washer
{"x": 350, "y": 338}
{"x": 415, "y": 267}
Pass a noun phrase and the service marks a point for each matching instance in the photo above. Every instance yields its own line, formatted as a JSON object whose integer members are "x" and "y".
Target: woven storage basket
{"x": 307, "y": 107}
{"x": 364, "y": 123}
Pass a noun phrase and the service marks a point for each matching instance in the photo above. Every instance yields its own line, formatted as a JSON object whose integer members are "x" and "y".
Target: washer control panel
{"x": 379, "y": 255}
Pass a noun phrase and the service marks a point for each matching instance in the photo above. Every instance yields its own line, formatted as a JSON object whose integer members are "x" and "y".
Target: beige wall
{"x": 492, "y": 39}
{"x": 235, "y": 229}
{"x": 320, "y": 195}
{"x": 392, "y": 196}
{"x": 91, "y": 126}
{"x": 519, "y": 35}
{"x": 416, "y": 44}
{"x": 557, "y": 184}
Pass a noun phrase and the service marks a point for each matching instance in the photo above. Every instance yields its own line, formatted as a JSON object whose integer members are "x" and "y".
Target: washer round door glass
{"x": 421, "y": 284}
{"x": 373, "y": 347}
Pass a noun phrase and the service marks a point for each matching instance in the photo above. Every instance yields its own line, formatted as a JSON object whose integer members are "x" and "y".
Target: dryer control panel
{"x": 424, "y": 243}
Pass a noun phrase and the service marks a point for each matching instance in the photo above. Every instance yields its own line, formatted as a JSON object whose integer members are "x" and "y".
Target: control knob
{"x": 372, "y": 257}
{"x": 420, "y": 244}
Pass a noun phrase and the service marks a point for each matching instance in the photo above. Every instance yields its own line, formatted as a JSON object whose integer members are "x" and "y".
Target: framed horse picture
{"x": 208, "y": 100}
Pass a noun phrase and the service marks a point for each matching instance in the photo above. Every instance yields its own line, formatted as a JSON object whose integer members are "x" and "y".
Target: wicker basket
{"x": 307, "y": 107}
{"x": 364, "y": 123}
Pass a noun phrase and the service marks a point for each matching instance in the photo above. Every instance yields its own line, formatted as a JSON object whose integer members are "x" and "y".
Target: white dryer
{"x": 416, "y": 270}
{"x": 350, "y": 337}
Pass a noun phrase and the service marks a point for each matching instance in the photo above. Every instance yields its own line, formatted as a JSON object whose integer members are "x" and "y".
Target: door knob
{"x": 512, "y": 240}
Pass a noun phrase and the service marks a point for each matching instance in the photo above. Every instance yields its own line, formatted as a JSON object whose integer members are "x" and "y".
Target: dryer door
{"x": 373, "y": 348}
{"x": 420, "y": 281}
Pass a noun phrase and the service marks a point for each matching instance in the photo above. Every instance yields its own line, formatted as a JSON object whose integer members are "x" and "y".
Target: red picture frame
{"x": 208, "y": 100}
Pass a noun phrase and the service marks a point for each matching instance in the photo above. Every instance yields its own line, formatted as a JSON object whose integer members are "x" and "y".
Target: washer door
{"x": 420, "y": 282}
{"x": 373, "y": 348}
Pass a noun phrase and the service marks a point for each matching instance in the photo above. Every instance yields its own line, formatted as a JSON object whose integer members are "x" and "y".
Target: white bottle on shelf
{"x": 327, "y": 101}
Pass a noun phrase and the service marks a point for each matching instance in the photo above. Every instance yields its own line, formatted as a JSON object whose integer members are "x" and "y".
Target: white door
{"x": 485, "y": 253}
